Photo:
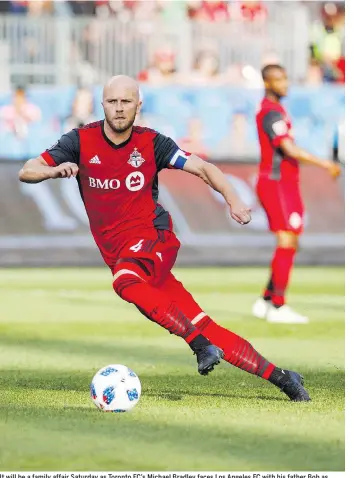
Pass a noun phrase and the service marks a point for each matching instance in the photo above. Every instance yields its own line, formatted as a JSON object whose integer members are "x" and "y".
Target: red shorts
{"x": 153, "y": 251}
{"x": 283, "y": 205}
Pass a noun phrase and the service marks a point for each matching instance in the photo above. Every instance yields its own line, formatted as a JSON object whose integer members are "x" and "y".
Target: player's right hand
{"x": 333, "y": 168}
{"x": 64, "y": 170}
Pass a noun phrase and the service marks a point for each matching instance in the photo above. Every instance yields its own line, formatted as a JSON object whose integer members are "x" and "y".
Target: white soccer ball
{"x": 115, "y": 388}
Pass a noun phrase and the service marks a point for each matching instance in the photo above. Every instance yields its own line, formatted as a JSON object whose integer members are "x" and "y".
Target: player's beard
{"x": 124, "y": 128}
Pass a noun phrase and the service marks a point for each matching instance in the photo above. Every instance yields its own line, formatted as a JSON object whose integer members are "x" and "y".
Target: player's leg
{"x": 237, "y": 351}
{"x": 138, "y": 267}
{"x": 284, "y": 209}
{"x": 282, "y": 266}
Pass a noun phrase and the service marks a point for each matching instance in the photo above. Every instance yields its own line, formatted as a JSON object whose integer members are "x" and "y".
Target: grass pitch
{"x": 58, "y": 327}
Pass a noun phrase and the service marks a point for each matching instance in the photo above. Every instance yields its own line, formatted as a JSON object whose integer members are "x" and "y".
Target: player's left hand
{"x": 240, "y": 214}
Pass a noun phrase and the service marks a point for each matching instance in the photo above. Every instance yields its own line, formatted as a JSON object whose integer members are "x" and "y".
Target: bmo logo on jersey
{"x": 134, "y": 182}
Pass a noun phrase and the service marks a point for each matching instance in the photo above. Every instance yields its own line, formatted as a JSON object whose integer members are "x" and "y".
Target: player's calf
{"x": 131, "y": 285}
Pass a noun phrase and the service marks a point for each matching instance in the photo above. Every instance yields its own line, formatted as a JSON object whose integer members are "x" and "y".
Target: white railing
{"x": 59, "y": 50}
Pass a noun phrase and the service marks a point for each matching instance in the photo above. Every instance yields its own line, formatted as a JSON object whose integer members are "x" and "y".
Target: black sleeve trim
{"x": 67, "y": 149}
{"x": 269, "y": 120}
{"x": 164, "y": 149}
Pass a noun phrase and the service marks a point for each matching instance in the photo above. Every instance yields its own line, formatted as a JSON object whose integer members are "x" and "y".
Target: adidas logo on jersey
{"x": 95, "y": 160}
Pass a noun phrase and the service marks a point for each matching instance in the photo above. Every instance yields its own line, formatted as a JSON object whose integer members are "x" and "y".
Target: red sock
{"x": 282, "y": 264}
{"x": 238, "y": 351}
{"x": 155, "y": 305}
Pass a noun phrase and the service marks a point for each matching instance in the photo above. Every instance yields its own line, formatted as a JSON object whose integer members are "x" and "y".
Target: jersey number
{"x": 137, "y": 246}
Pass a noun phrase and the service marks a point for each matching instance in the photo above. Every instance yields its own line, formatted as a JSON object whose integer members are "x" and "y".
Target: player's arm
{"x": 37, "y": 170}
{"x": 168, "y": 155}
{"x": 277, "y": 130}
{"x": 289, "y": 148}
{"x": 59, "y": 161}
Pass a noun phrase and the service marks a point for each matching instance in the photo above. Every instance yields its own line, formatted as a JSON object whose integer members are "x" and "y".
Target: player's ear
{"x": 140, "y": 104}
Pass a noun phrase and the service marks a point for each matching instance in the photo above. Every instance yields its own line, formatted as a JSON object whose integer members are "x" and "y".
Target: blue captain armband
{"x": 179, "y": 159}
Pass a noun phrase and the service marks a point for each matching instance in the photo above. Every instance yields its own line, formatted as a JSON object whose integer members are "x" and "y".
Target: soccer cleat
{"x": 207, "y": 358}
{"x": 293, "y": 387}
{"x": 261, "y": 307}
{"x": 285, "y": 315}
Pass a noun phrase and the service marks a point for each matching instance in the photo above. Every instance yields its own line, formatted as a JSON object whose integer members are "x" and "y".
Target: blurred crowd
{"x": 326, "y": 48}
{"x": 30, "y": 118}
{"x": 215, "y": 124}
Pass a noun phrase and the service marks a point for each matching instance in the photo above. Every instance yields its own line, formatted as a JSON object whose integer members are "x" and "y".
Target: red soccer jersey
{"x": 118, "y": 184}
{"x": 273, "y": 125}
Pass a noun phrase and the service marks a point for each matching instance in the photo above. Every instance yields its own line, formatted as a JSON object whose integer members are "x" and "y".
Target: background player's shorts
{"x": 283, "y": 205}
{"x": 153, "y": 252}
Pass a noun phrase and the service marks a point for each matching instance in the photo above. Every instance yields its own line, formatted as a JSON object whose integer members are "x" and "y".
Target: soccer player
{"x": 116, "y": 165}
{"x": 279, "y": 193}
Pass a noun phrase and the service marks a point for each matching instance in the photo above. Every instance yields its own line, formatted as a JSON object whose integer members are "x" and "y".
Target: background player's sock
{"x": 238, "y": 351}
{"x": 159, "y": 308}
{"x": 281, "y": 268}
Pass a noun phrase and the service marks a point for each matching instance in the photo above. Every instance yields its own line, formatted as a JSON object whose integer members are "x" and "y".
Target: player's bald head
{"x": 121, "y": 85}
{"x": 121, "y": 102}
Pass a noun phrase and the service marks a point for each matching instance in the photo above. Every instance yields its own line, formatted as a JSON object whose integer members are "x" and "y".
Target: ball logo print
{"x": 132, "y": 394}
{"x": 108, "y": 395}
{"x": 93, "y": 392}
{"x": 108, "y": 371}
{"x": 135, "y": 181}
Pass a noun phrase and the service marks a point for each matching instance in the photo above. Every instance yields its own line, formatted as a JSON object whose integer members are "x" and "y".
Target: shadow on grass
{"x": 188, "y": 438}
{"x": 224, "y": 383}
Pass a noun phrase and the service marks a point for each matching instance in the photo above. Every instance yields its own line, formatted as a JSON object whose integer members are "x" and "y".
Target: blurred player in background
{"x": 278, "y": 190}
{"x": 116, "y": 165}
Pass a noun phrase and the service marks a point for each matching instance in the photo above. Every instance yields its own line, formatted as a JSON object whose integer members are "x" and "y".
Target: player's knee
{"x": 288, "y": 239}
{"x": 127, "y": 275}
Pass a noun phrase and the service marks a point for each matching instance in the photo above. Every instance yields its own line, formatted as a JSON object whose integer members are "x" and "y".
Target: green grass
{"x": 57, "y": 327}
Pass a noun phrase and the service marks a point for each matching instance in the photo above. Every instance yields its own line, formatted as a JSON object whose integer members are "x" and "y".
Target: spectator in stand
{"x": 314, "y": 74}
{"x": 248, "y": 12}
{"x": 208, "y": 10}
{"x": 163, "y": 69}
{"x": 82, "y": 110}
{"x": 40, "y": 7}
{"x": 145, "y": 11}
{"x": 235, "y": 144}
{"x": 173, "y": 13}
{"x": 206, "y": 71}
{"x": 82, "y": 7}
{"x": 17, "y": 116}
{"x": 194, "y": 140}
{"x": 17, "y": 6}
{"x": 327, "y": 43}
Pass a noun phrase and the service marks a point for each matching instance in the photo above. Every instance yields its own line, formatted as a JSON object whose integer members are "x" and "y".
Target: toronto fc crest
{"x": 136, "y": 160}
